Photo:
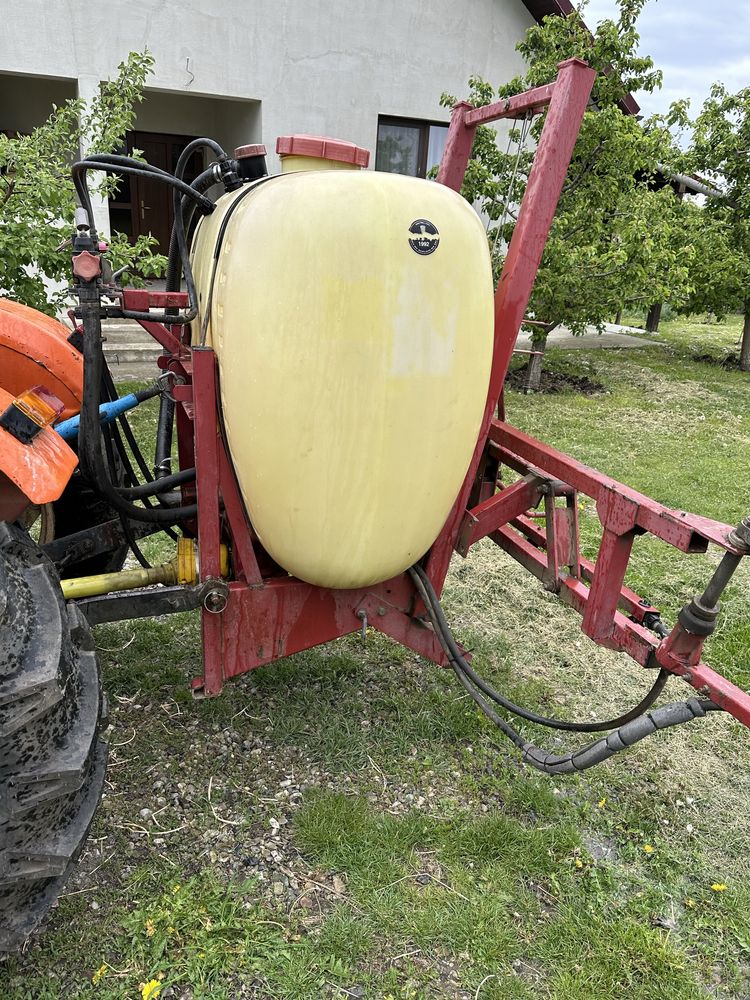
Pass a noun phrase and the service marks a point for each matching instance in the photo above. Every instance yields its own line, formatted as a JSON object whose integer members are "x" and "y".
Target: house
{"x": 247, "y": 72}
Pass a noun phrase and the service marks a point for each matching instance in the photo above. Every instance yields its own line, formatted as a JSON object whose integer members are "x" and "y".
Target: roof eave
{"x": 539, "y": 9}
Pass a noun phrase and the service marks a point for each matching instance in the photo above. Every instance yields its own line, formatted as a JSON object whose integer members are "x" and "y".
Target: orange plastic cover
{"x": 40, "y": 469}
{"x": 34, "y": 350}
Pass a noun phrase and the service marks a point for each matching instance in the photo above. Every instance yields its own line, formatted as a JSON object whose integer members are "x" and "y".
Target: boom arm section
{"x": 614, "y": 616}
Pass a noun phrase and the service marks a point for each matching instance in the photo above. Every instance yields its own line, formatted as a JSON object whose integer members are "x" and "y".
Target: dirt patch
{"x": 556, "y": 382}
{"x": 729, "y": 362}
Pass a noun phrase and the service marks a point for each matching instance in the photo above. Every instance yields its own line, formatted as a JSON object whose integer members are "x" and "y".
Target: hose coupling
{"x": 698, "y": 618}
{"x": 739, "y": 537}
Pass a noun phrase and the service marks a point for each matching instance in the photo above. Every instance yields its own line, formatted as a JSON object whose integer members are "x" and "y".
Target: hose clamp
{"x": 163, "y": 382}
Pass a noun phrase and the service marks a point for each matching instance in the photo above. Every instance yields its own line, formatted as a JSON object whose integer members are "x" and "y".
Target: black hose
{"x": 109, "y": 392}
{"x": 127, "y": 430}
{"x": 184, "y": 210}
{"x": 163, "y": 452}
{"x": 90, "y": 435}
{"x": 158, "y": 485}
{"x": 453, "y": 652}
{"x": 636, "y": 729}
{"x": 126, "y": 165}
{"x": 201, "y": 183}
{"x": 113, "y": 164}
{"x": 602, "y": 749}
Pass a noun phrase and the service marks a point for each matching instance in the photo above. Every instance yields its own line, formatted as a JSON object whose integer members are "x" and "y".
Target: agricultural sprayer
{"x": 331, "y": 380}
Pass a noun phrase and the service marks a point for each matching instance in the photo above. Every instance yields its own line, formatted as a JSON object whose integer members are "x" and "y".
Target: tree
{"x": 616, "y": 239}
{"x": 37, "y": 198}
{"x": 720, "y": 150}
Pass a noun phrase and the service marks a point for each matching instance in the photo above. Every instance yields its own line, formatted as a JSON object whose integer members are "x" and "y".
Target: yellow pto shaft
{"x": 182, "y": 569}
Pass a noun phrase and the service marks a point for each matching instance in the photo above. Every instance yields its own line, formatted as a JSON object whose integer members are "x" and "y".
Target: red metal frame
{"x": 269, "y": 614}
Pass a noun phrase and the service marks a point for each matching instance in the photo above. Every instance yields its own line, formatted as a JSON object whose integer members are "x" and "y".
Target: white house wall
{"x": 279, "y": 66}
{"x": 316, "y": 65}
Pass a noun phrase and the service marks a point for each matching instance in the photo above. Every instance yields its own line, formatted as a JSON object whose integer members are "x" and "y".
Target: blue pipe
{"x": 68, "y": 429}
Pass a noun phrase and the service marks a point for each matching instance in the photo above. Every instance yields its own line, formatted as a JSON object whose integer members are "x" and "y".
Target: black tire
{"x": 78, "y": 508}
{"x": 52, "y": 759}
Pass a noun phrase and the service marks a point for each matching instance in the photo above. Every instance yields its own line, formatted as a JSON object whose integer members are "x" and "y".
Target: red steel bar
{"x": 531, "y": 102}
{"x": 570, "y": 96}
{"x": 626, "y": 636}
{"x": 242, "y": 543}
{"x": 499, "y": 509}
{"x": 464, "y": 122}
{"x": 604, "y": 594}
{"x": 631, "y": 638}
{"x": 141, "y": 300}
{"x": 457, "y": 152}
{"x": 619, "y": 507}
{"x": 288, "y": 615}
{"x": 207, "y": 447}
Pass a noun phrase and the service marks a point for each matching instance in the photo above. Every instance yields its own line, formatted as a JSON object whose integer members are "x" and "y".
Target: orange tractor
{"x": 330, "y": 388}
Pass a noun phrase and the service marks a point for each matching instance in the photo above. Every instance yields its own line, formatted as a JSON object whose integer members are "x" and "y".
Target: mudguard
{"x": 34, "y": 350}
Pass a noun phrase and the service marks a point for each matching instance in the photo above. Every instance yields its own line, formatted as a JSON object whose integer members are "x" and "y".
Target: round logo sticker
{"x": 424, "y": 237}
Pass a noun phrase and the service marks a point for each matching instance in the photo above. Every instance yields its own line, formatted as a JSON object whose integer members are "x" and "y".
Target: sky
{"x": 693, "y": 42}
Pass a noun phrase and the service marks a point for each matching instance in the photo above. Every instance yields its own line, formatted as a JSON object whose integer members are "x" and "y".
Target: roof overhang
{"x": 539, "y": 9}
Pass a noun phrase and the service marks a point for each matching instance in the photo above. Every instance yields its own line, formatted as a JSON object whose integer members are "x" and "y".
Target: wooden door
{"x": 151, "y": 208}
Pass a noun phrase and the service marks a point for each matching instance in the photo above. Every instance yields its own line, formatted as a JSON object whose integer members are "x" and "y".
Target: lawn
{"x": 346, "y": 824}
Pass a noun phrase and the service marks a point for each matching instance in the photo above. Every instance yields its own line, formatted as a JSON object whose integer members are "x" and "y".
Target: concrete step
{"x": 125, "y": 332}
{"x": 133, "y": 371}
{"x": 119, "y": 353}
{"x": 128, "y": 348}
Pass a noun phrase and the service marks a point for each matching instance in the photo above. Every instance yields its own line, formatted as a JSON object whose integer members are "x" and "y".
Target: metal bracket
{"x": 146, "y": 603}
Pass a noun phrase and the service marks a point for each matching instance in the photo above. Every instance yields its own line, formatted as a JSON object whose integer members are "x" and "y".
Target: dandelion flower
{"x": 151, "y": 989}
{"x": 150, "y": 928}
{"x": 718, "y": 887}
{"x": 648, "y": 848}
{"x": 602, "y": 803}
{"x": 99, "y": 974}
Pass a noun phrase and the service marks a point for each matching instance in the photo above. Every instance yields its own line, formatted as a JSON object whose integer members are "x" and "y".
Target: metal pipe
{"x": 718, "y": 582}
{"x": 129, "y": 579}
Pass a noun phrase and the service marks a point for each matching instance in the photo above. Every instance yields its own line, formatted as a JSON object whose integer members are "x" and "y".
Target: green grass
{"x": 423, "y": 860}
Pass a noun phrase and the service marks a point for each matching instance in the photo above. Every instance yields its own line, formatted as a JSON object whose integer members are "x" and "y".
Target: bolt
{"x": 215, "y": 602}
{"x": 362, "y": 615}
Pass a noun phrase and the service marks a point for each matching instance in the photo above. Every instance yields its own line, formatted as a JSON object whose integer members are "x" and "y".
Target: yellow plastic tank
{"x": 351, "y": 313}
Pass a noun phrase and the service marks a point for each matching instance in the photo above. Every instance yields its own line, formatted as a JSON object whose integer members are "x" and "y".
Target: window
{"x": 407, "y": 146}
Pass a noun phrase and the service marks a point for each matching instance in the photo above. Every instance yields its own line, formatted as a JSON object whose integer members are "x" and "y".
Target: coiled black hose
{"x": 454, "y": 654}
{"x": 629, "y": 728}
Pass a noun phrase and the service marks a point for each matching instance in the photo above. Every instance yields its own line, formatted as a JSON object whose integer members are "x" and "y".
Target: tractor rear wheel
{"x": 52, "y": 759}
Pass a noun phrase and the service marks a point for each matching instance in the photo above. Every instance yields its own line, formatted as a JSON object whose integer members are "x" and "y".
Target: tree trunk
{"x": 745, "y": 348}
{"x": 652, "y": 320}
{"x": 618, "y": 317}
{"x": 536, "y": 361}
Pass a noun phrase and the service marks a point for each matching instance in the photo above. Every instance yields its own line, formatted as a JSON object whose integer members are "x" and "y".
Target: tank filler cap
{"x": 320, "y": 147}
{"x": 251, "y": 161}
{"x": 242, "y": 152}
